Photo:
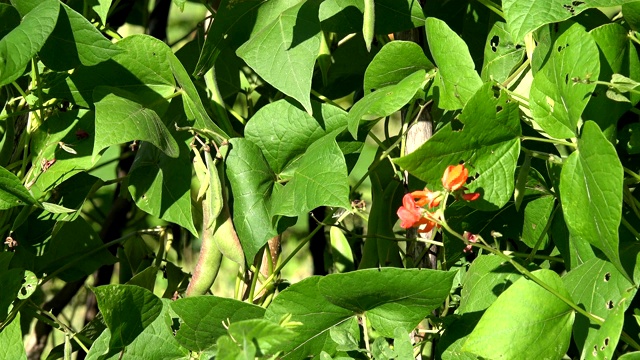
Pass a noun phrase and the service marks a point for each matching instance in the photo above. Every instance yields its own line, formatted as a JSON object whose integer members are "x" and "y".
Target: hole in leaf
{"x": 594, "y": 94}
{"x": 498, "y": 108}
{"x": 607, "y": 276}
{"x": 518, "y": 46}
{"x": 456, "y": 125}
{"x": 595, "y": 350}
{"x": 23, "y": 291}
{"x": 566, "y": 79}
{"x": 495, "y": 41}
{"x": 609, "y": 304}
{"x": 577, "y": 3}
{"x": 606, "y": 342}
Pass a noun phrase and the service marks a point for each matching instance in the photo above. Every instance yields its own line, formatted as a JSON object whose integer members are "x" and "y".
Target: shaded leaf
{"x": 11, "y": 344}
{"x": 12, "y": 192}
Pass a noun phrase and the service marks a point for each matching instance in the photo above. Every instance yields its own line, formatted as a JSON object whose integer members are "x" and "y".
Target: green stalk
{"x": 543, "y": 234}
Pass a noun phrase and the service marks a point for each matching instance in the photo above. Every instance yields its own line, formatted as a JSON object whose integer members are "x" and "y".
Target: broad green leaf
{"x": 120, "y": 120}
{"x": 381, "y": 350}
{"x": 345, "y": 16}
{"x": 29, "y": 285}
{"x": 556, "y": 100}
{"x": 591, "y": 192}
{"x": 70, "y": 241}
{"x": 617, "y": 56}
{"x": 202, "y": 319}
{"x": 159, "y": 186}
{"x": 395, "y": 61}
{"x": 488, "y": 143}
{"x": 304, "y": 302}
{"x": 283, "y": 57}
{"x": 191, "y": 98}
{"x": 536, "y": 216}
{"x": 402, "y": 344}
{"x": 234, "y": 24}
{"x": 458, "y": 79}
{"x": 574, "y": 250}
{"x": 75, "y": 128}
{"x": 449, "y": 347}
{"x": 341, "y": 253}
{"x": 9, "y": 19}
{"x": 251, "y": 182}
{"x": 12, "y": 192}
{"x": 75, "y": 41}
{"x": 630, "y": 356}
{"x": 11, "y": 344}
{"x": 486, "y": 279}
{"x": 390, "y": 297}
{"x": 501, "y": 54}
{"x": 142, "y": 68}
{"x": 346, "y": 335}
{"x": 155, "y": 342}
{"x": 385, "y": 101}
{"x": 534, "y": 323}
{"x": 266, "y": 335}
{"x": 11, "y": 281}
{"x": 525, "y": 16}
{"x": 101, "y": 7}
{"x": 598, "y": 287}
{"x": 284, "y": 132}
{"x": 321, "y": 179}
{"x": 22, "y": 43}
{"x": 127, "y": 310}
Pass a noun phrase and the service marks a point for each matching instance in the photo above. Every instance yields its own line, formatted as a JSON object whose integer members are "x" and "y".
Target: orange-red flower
{"x": 411, "y": 215}
{"x": 455, "y": 177}
{"x": 471, "y": 196}
{"x": 427, "y": 197}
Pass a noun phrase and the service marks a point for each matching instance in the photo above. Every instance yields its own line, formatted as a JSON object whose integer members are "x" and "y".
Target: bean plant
{"x": 468, "y": 170}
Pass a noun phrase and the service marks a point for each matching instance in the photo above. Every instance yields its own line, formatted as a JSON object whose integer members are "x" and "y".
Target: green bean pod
{"x": 209, "y": 259}
{"x": 369, "y": 23}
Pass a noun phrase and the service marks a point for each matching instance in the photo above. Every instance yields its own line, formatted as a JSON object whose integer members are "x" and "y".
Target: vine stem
{"x": 493, "y": 7}
{"x": 550, "y": 141}
{"x": 365, "y": 332}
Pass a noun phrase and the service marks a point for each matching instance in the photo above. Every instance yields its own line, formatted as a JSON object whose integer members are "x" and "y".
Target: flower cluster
{"x": 412, "y": 212}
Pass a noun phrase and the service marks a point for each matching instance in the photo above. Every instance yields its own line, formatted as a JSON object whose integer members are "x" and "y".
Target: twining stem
{"x": 365, "y": 332}
{"x": 542, "y": 155}
{"x": 516, "y": 73}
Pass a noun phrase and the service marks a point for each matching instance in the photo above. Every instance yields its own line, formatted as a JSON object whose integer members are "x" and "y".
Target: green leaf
{"x": 22, "y": 43}
{"x": 556, "y": 100}
{"x": 101, "y": 7}
{"x": 159, "y": 186}
{"x": 450, "y": 345}
{"x": 574, "y": 250}
{"x": 127, "y": 311}
{"x": 120, "y": 120}
{"x": 283, "y": 57}
{"x": 24, "y": 6}
{"x": 70, "y": 241}
{"x": 202, "y": 319}
{"x": 490, "y": 136}
{"x": 617, "y": 56}
{"x": 458, "y": 77}
{"x": 526, "y": 16}
{"x": 385, "y": 101}
{"x": 251, "y": 182}
{"x": 56, "y": 209}
{"x": 395, "y": 61}
{"x": 304, "y": 302}
{"x": 402, "y": 344}
{"x": 487, "y": 278}
{"x": 74, "y": 128}
{"x": 191, "y": 98}
{"x": 390, "y": 297}
{"x": 536, "y": 216}
{"x": 591, "y": 192}
{"x": 11, "y": 281}
{"x": 266, "y": 335}
{"x": 321, "y": 179}
{"x": 9, "y": 19}
{"x": 12, "y": 192}
{"x": 142, "y": 68}
{"x": 284, "y": 132}
{"x": 501, "y": 54}
{"x": 534, "y": 323}
{"x": 11, "y": 344}
{"x": 75, "y": 41}
{"x": 631, "y": 12}
{"x": 599, "y": 288}
{"x": 155, "y": 342}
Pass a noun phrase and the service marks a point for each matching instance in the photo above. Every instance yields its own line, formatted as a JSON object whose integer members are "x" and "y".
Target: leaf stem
{"x": 542, "y": 234}
{"x": 550, "y": 141}
{"x": 516, "y": 73}
{"x": 492, "y": 6}
{"x": 544, "y": 156}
